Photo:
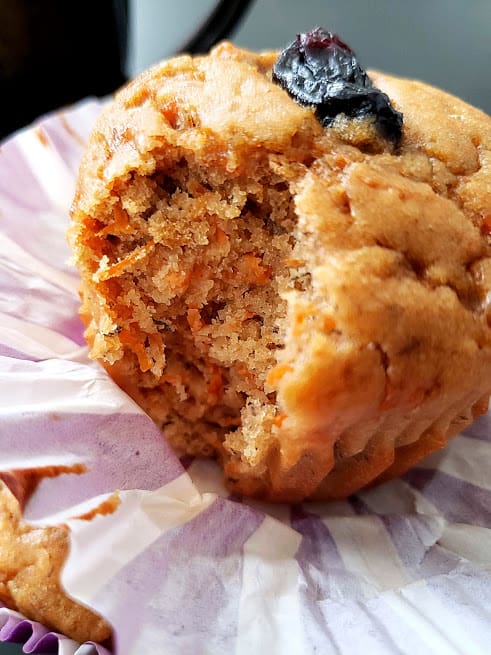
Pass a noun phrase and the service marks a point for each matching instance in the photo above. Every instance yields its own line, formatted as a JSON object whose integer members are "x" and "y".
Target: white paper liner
{"x": 404, "y": 568}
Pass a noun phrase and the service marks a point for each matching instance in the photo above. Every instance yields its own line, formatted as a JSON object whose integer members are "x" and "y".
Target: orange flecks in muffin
{"x": 279, "y": 419}
{"x": 252, "y": 268}
{"x": 171, "y": 113}
{"x": 220, "y": 237}
{"x": 92, "y": 227}
{"x": 122, "y": 266}
{"x": 215, "y": 385}
{"x": 195, "y": 321}
{"x": 277, "y": 373}
{"x": 97, "y": 245}
{"x": 125, "y": 312}
{"x": 300, "y": 318}
{"x": 244, "y": 372}
{"x": 341, "y": 161}
{"x": 286, "y": 249}
{"x": 328, "y": 324}
{"x": 291, "y": 262}
{"x": 155, "y": 340}
{"x": 131, "y": 340}
{"x": 121, "y": 223}
{"x": 200, "y": 273}
{"x": 486, "y": 225}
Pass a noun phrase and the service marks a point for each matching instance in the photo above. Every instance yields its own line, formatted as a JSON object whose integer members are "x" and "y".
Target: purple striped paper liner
{"x": 182, "y": 573}
{"x": 415, "y": 538}
{"x": 13, "y": 353}
{"x": 323, "y": 573}
{"x": 104, "y": 443}
{"x": 15, "y": 177}
{"x": 481, "y": 429}
{"x": 70, "y": 129}
{"x": 457, "y": 501}
{"x": 42, "y": 304}
{"x": 35, "y": 638}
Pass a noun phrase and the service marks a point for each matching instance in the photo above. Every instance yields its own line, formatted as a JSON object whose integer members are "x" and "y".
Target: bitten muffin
{"x": 295, "y": 288}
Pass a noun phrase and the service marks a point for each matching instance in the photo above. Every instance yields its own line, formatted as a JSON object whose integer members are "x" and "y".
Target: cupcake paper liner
{"x": 180, "y": 566}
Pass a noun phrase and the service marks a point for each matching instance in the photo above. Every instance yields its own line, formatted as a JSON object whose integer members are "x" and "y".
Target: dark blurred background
{"x": 54, "y": 52}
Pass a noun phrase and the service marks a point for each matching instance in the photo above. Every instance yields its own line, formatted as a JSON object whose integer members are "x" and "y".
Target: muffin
{"x": 31, "y": 559}
{"x": 286, "y": 262}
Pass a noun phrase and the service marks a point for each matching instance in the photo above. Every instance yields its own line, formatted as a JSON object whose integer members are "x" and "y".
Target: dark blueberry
{"x": 320, "y": 70}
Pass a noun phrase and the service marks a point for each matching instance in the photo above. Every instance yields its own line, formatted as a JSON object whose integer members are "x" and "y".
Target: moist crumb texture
{"x": 307, "y": 304}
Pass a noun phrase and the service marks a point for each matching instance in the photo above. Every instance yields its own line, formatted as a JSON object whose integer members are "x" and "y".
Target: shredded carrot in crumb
{"x": 236, "y": 325}
{"x": 300, "y": 316}
{"x": 92, "y": 225}
{"x": 276, "y": 374}
{"x": 120, "y": 224}
{"x": 278, "y": 420}
{"x": 96, "y": 245}
{"x": 138, "y": 97}
{"x": 486, "y": 225}
{"x": 120, "y": 267}
{"x": 124, "y": 313}
{"x": 194, "y": 319}
{"x": 171, "y": 113}
{"x": 135, "y": 345}
{"x": 341, "y": 161}
{"x": 155, "y": 340}
{"x": 294, "y": 263}
{"x": 329, "y": 324}
{"x": 221, "y": 237}
{"x": 245, "y": 372}
{"x": 128, "y": 338}
{"x": 143, "y": 359}
{"x": 215, "y": 385}
{"x": 255, "y": 271}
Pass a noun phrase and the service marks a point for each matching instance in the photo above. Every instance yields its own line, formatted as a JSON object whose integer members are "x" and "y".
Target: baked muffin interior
{"x": 199, "y": 266}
